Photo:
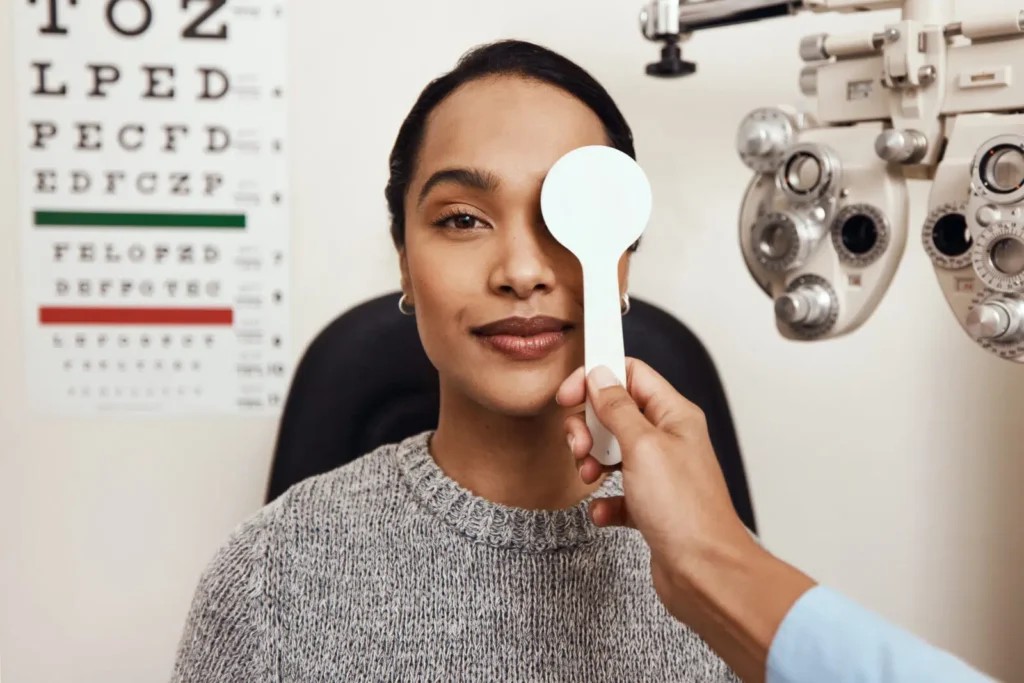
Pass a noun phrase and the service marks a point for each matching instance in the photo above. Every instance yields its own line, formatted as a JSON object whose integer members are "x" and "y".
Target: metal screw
{"x": 927, "y": 74}
{"x": 892, "y": 35}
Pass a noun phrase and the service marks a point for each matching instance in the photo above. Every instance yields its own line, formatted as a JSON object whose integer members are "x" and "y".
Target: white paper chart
{"x": 153, "y": 204}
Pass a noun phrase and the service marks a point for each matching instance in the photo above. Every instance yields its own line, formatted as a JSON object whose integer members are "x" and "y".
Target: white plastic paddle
{"x": 596, "y": 201}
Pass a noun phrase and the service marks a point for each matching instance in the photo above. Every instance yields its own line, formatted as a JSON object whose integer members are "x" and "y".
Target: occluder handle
{"x": 604, "y": 345}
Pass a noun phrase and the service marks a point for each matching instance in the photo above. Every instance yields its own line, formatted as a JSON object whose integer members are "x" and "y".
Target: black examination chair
{"x": 365, "y": 381}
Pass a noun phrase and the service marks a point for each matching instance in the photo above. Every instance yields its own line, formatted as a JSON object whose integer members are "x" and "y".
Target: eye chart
{"x": 153, "y": 204}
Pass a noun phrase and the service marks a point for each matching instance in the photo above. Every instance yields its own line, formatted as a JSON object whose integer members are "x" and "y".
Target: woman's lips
{"x": 533, "y": 347}
{"x": 524, "y": 338}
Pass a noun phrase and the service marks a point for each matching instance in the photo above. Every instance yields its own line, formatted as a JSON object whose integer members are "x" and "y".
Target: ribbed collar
{"x": 490, "y": 523}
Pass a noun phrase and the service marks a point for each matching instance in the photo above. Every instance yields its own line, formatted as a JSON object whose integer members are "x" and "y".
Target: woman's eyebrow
{"x": 476, "y": 179}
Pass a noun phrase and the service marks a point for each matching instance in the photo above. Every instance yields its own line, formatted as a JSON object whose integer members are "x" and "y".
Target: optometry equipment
{"x": 934, "y": 97}
{"x": 596, "y": 201}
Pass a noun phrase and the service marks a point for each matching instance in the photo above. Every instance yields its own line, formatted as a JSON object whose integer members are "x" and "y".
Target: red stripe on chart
{"x": 56, "y": 315}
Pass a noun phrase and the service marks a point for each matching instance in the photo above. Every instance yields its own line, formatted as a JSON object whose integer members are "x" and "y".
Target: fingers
{"x": 579, "y": 437}
{"x": 620, "y": 410}
{"x": 591, "y": 470}
{"x": 580, "y": 443}
{"x": 663, "y": 406}
{"x": 654, "y": 395}
{"x": 573, "y": 390}
{"x": 607, "y": 512}
{"x": 615, "y": 408}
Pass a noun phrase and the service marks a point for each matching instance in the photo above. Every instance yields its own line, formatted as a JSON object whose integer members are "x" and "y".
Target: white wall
{"x": 908, "y": 501}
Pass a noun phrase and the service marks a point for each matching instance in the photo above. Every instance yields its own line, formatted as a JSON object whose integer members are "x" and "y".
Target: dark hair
{"x": 506, "y": 57}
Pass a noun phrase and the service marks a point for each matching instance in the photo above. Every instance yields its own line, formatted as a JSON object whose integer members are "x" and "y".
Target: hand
{"x": 707, "y": 569}
{"x": 675, "y": 492}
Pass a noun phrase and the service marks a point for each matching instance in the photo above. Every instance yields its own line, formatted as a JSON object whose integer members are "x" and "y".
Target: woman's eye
{"x": 462, "y": 221}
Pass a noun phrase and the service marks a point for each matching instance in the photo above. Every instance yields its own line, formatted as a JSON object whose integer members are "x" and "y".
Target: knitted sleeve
{"x": 227, "y": 636}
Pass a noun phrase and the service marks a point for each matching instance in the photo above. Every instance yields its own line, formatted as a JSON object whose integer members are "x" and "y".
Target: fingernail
{"x": 571, "y": 440}
{"x": 602, "y": 377}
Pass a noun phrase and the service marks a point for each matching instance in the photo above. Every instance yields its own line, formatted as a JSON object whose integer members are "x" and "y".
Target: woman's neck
{"x": 521, "y": 462}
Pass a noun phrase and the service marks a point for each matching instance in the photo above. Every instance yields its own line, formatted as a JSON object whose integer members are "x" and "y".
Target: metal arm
{"x": 672, "y": 21}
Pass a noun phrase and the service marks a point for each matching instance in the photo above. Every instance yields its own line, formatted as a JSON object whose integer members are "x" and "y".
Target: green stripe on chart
{"x": 115, "y": 219}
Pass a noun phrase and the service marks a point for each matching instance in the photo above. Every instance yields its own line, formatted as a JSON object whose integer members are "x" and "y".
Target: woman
{"x": 465, "y": 553}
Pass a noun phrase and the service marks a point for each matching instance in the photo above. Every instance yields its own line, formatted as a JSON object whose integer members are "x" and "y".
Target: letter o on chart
{"x": 132, "y": 22}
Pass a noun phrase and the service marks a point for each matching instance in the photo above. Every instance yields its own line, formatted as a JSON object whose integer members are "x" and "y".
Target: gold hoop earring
{"x": 404, "y": 307}
{"x": 625, "y": 304}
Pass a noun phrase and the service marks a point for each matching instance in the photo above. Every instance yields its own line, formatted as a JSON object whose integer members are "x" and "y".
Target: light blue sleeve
{"x": 827, "y": 637}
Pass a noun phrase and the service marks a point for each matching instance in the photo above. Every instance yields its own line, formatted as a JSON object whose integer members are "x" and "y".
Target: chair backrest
{"x": 365, "y": 381}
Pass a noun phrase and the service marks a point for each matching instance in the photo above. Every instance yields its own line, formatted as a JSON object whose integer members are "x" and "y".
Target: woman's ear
{"x": 406, "y": 280}
{"x": 624, "y": 271}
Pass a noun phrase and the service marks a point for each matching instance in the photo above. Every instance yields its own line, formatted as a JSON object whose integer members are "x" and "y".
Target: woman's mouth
{"x": 524, "y": 338}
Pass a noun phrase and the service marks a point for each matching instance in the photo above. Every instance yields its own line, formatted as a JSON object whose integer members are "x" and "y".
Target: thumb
{"x": 615, "y": 408}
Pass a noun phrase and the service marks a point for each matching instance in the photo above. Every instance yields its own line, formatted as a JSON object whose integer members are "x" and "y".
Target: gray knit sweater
{"x": 386, "y": 569}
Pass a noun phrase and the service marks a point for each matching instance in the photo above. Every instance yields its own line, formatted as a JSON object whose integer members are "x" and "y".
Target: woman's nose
{"x": 524, "y": 267}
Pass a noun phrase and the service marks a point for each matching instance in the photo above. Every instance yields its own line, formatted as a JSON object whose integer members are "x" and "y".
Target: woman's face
{"x": 499, "y": 302}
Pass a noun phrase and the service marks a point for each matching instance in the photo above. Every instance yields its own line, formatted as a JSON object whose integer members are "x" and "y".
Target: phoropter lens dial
{"x": 808, "y": 172}
{"x": 782, "y": 240}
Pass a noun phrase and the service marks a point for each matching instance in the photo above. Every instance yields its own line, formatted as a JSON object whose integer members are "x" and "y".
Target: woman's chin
{"x": 517, "y": 389}
{"x": 522, "y": 410}
{"x": 520, "y": 399}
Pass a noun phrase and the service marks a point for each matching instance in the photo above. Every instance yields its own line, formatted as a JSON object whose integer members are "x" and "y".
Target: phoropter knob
{"x": 805, "y": 306}
{"x": 763, "y": 137}
{"x": 901, "y": 146}
{"x": 782, "y": 240}
{"x": 997, "y": 320}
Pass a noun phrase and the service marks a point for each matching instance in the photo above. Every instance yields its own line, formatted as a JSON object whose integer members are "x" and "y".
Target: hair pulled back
{"x": 506, "y": 57}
